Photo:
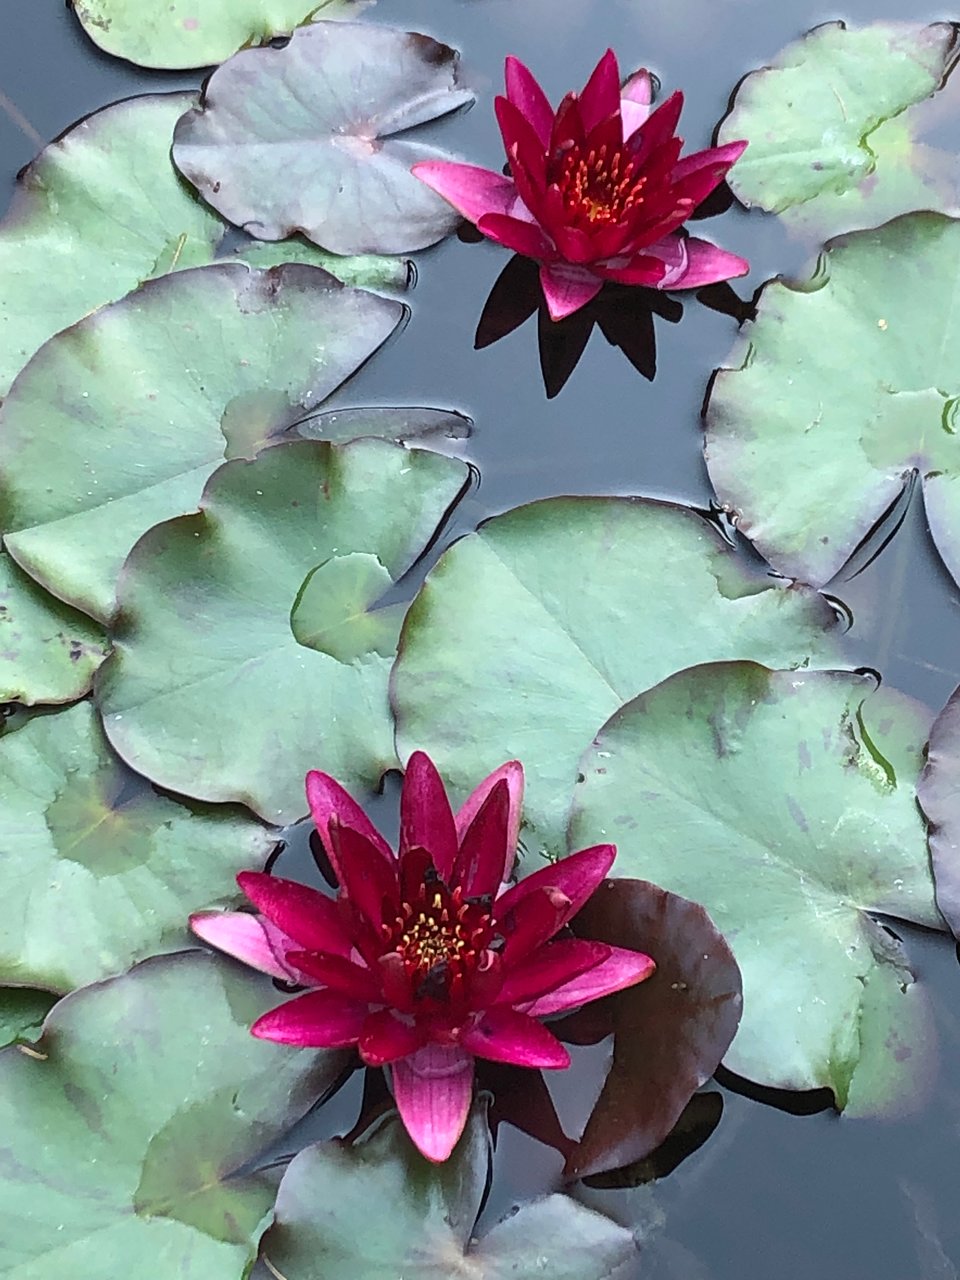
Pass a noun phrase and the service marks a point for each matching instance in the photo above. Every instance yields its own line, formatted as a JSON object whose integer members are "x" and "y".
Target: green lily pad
{"x": 117, "y": 423}
{"x": 831, "y": 127}
{"x": 530, "y": 633}
{"x": 783, "y": 801}
{"x": 287, "y": 559}
{"x": 314, "y": 137}
{"x": 96, "y": 869}
{"x": 365, "y": 271}
{"x": 132, "y": 1143}
{"x": 98, "y": 212}
{"x": 22, "y": 1011}
{"x": 425, "y": 1218}
{"x": 177, "y": 34}
{"x": 48, "y": 651}
{"x": 845, "y": 386}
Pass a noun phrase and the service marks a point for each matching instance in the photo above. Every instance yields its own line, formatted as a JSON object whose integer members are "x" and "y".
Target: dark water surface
{"x": 770, "y": 1194}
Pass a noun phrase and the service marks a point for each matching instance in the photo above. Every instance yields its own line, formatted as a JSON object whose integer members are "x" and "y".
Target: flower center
{"x": 600, "y": 187}
{"x": 440, "y": 939}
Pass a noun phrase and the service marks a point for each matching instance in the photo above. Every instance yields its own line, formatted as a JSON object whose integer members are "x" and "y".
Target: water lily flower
{"x": 428, "y": 959}
{"x": 597, "y": 189}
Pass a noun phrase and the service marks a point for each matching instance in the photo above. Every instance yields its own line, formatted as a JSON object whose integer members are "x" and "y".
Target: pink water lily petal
{"x": 386, "y": 1038}
{"x": 576, "y": 877}
{"x": 367, "y": 882}
{"x": 531, "y": 922}
{"x": 621, "y": 968}
{"x": 318, "y": 1020}
{"x": 337, "y": 973}
{"x": 306, "y": 915}
{"x": 706, "y": 264}
{"x": 524, "y": 150}
{"x": 526, "y": 95}
{"x": 506, "y": 1035}
{"x": 567, "y": 288}
{"x": 471, "y": 190}
{"x": 426, "y": 819}
{"x": 552, "y": 966}
{"x": 433, "y": 1089}
{"x": 249, "y": 938}
{"x": 710, "y": 158}
{"x": 328, "y": 800}
{"x": 600, "y": 98}
{"x": 517, "y": 235}
{"x": 642, "y": 270}
{"x": 512, "y": 774}
{"x": 478, "y": 869}
{"x": 636, "y": 102}
{"x": 658, "y": 129}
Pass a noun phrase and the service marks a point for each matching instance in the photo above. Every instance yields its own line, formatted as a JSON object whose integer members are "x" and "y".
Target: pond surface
{"x": 770, "y": 1193}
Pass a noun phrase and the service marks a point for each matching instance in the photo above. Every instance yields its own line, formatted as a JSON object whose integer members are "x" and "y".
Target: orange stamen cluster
{"x": 599, "y": 187}
{"x": 440, "y": 938}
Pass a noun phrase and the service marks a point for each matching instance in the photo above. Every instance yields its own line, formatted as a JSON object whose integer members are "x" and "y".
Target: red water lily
{"x": 597, "y": 190}
{"x": 427, "y": 960}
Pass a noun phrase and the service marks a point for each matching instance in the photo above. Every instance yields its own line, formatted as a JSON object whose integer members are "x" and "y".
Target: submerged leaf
{"x": 312, "y": 137}
{"x": 531, "y": 632}
{"x": 22, "y": 1011}
{"x": 138, "y": 1130}
{"x": 844, "y": 386}
{"x": 177, "y": 34}
{"x": 98, "y": 212}
{"x": 96, "y": 869}
{"x": 939, "y": 794}
{"x": 784, "y": 802}
{"x": 117, "y": 423}
{"x": 426, "y": 1215}
{"x": 290, "y": 556}
{"x": 831, "y": 130}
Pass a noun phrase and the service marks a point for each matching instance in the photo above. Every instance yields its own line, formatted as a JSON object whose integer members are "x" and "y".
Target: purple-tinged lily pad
{"x": 784, "y": 802}
{"x": 48, "y": 651}
{"x": 286, "y": 562}
{"x": 97, "y": 870}
{"x": 98, "y": 212}
{"x": 939, "y": 794}
{"x": 832, "y": 127}
{"x": 130, "y": 1145}
{"x": 426, "y": 1216}
{"x": 176, "y": 34}
{"x": 844, "y": 387}
{"x": 670, "y": 1033}
{"x": 313, "y": 137}
{"x": 116, "y": 423}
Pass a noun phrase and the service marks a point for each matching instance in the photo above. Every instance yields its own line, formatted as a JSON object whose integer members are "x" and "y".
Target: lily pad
{"x": 783, "y": 801}
{"x": 845, "y": 385}
{"x": 176, "y": 34}
{"x": 366, "y": 271}
{"x": 48, "y": 651}
{"x": 98, "y": 212}
{"x": 670, "y": 1036}
{"x": 117, "y": 423}
{"x": 425, "y": 1218}
{"x": 939, "y": 794}
{"x": 530, "y": 633}
{"x": 832, "y": 130}
{"x": 96, "y": 869}
{"x": 137, "y": 1136}
{"x": 441, "y": 429}
{"x": 313, "y": 137}
{"x": 287, "y": 560}
{"x": 22, "y": 1012}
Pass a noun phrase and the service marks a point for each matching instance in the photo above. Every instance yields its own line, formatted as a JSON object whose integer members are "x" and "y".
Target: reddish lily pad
{"x": 139, "y": 1130}
{"x": 48, "y": 651}
{"x": 22, "y": 1011}
{"x": 97, "y": 213}
{"x": 290, "y": 555}
{"x": 784, "y": 802}
{"x": 832, "y": 127}
{"x": 426, "y": 1217}
{"x": 96, "y": 869}
{"x": 671, "y": 1032}
{"x": 177, "y": 34}
{"x": 530, "y": 633}
{"x": 939, "y": 794}
{"x": 312, "y": 137}
{"x": 117, "y": 423}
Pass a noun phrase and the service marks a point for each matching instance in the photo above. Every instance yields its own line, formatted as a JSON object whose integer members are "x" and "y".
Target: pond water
{"x": 770, "y": 1192}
